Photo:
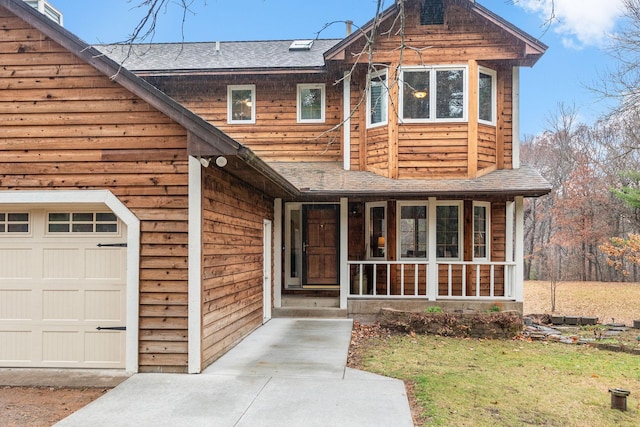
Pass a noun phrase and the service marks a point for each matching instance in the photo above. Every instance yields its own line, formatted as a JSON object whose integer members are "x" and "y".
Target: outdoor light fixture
{"x": 221, "y": 161}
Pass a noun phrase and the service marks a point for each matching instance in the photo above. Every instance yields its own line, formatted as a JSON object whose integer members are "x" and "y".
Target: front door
{"x": 320, "y": 245}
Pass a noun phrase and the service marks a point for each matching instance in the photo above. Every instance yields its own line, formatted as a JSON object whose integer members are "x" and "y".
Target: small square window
{"x": 241, "y": 104}
{"x": 311, "y": 103}
{"x": 82, "y": 222}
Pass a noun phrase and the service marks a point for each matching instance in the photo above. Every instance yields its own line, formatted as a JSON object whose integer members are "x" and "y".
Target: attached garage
{"x": 62, "y": 287}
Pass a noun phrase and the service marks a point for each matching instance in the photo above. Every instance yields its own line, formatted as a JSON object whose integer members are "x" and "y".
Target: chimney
{"x": 349, "y": 25}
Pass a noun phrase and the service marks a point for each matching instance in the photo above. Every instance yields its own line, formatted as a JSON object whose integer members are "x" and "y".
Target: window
{"x": 413, "y": 230}
{"x": 487, "y": 96}
{"x": 434, "y": 94}
{"x": 376, "y": 230}
{"x": 448, "y": 230}
{"x": 432, "y": 12}
{"x": 311, "y": 103}
{"x": 14, "y": 222}
{"x": 377, "y": 100}
{"x": 82, "y": 222}
{"x": 241, "y": 104}
{"x": 481, "y": 228}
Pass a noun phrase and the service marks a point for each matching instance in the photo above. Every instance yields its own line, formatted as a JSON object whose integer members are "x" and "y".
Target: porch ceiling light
{"x": 420, "y": 94}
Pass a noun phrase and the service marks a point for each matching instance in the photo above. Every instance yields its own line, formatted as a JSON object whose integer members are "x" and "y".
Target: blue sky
{"x": 575, "y": 60}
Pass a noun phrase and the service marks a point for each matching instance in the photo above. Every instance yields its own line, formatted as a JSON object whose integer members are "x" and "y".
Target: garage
{"x": 62, "y": 287}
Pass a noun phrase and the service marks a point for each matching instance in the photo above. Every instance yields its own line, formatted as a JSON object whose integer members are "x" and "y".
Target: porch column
{"x": 194, "y": 297}
{"x": 519, "y": 250}
{"x": 346, "y": 127}
{"x": 344, "y": 252}
{"x": 432, "y": 269}
{"x": 277, "y": 253}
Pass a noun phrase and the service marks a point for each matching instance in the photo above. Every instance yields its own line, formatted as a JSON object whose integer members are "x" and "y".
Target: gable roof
{"x": 219, "y": 57}
{"x": 204, "y": 139}
{"x": 533, "y": 48}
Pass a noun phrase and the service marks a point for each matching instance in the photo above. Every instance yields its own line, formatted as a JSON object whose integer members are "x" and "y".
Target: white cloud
{"x": 579, "y": 22}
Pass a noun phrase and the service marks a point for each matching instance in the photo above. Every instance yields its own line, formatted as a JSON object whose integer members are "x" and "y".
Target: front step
{"x": 311, "y": 312}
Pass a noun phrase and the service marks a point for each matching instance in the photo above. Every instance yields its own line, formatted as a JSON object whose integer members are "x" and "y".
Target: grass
{"x": 464, "y": 382}
{"x": 460, "y": 382}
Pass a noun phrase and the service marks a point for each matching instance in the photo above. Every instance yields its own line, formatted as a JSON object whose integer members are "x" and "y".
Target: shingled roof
{"x": 329, "y": 179}
{"x": 219, "y": 56}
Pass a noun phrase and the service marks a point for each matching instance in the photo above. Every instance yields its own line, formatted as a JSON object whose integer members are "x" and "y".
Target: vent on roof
{"x": 301, "y": 45}
{"x": 432, "y": 12}
{"x": 46, "y": 9}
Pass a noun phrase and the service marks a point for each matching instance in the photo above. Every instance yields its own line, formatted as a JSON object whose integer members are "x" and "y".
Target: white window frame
{"x": 367, "y": 229}
{"x": 6, "y": 233}
{"x": 303, "y": 86}
{"x": 374, "y": 79}
{"x": 460, "y": 206}
{"x": 433, "y": 81}
{"x": 290, "y": 281}
{"x": 487, "y": 231}
{"x": 230, "y": 90}
{"x": 494, "y": 95}
{"x": 399, "y": 205}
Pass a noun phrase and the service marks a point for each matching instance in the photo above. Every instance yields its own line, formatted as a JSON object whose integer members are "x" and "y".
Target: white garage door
{"x": 62, "y": 279}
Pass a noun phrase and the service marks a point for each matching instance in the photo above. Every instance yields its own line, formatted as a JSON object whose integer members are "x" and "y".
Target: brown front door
{"x": 320, "y": 244}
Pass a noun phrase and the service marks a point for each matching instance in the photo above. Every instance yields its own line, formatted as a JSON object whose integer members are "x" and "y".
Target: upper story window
{"x": 241, "y": 104}
{"x": 14, "y": 222}
{"x": 487, "y": 104}
{"x": 434, "y": 94}
{"x": 311, "y": 103}
{"x": 432, "y": 12}
{"x": 377, "y": 100}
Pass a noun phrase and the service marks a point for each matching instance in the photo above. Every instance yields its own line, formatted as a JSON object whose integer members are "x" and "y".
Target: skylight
{"x": 301, "y": 45}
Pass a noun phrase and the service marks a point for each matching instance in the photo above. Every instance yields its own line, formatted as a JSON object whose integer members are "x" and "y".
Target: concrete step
{"x": 311, "y": 312}
{"x": 310, "y": 302}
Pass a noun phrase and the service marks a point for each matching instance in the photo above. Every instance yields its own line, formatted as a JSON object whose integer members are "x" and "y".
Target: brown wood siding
{"x": 232, "y": 303}
{"x": 486, "y": 147}
{"x": 377, "y": 149}
{"x": 432, "y": 150}
{"x": 463, "y": 37}
{"x": 276, "y": 135}
{"x": 63, "y": 125}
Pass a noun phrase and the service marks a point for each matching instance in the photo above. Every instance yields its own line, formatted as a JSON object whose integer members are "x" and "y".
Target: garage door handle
{"x": 111, "y": 328}
{"x": 113, "y": 245}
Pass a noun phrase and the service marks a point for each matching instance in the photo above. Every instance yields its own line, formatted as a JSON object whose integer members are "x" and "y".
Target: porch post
{"x": 277, "y": 253}
{"x": 344, "y": 251}
{"x": 346, "y": 127}
{"x": 519, "y": 250}
{"x": 432, "y": 269}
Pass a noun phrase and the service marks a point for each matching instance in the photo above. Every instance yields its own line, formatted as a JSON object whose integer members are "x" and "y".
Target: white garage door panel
{"x": 55, "y": 290}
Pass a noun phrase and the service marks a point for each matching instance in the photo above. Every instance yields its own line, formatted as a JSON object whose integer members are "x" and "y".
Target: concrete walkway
{"x": 289, "y": 372}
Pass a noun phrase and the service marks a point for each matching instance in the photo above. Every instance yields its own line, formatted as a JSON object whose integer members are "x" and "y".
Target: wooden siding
{"x": 486, "y": 147}
{"x": 233, "y": 215}
{"x": 433, "y": 150}
{"x": 377, "y": 150}
{"x": 276, "y": 135}
{"x": 65, "y": 126}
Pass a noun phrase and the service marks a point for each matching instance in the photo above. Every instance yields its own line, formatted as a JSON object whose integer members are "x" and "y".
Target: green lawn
{"x": 460, "y": 382}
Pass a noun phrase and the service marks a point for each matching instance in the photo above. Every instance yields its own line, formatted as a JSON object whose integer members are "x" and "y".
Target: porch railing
{"x": 428, "y": 280}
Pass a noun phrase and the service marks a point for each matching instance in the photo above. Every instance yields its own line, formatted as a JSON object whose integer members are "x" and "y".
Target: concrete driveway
{"x": 289, "y": 372}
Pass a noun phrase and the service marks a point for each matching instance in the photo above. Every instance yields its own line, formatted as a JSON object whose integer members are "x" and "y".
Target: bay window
{"x": 377, "y": 100}
{"x": 487, "y": 96}
{"x": 434, "y": 94}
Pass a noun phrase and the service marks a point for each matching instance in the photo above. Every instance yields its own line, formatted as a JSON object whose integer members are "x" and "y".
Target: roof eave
{"x": 229, "y": 71}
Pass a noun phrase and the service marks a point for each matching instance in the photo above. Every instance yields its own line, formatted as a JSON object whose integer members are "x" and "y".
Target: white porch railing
{"x": 410, "y": 279}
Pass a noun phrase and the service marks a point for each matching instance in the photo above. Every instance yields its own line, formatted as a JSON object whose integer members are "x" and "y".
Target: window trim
{"x": 494, "y": 95}
{"x": 230, "y": 90}
{"x": 433, "y": 81}
{"x": 384, "y": 97}
{"x": 323, "y": 90}
{"x": 94, "y": 223}
{"x": 367, "y": 229}
{"x": 5, "y": 222}
{"x": 399, "y": 205}
{"x": 460, "y": 205}
{"x": 487, "y": 206}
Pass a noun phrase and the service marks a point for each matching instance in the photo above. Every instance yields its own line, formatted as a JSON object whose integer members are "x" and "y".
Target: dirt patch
{"x": 42, "y": 406}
